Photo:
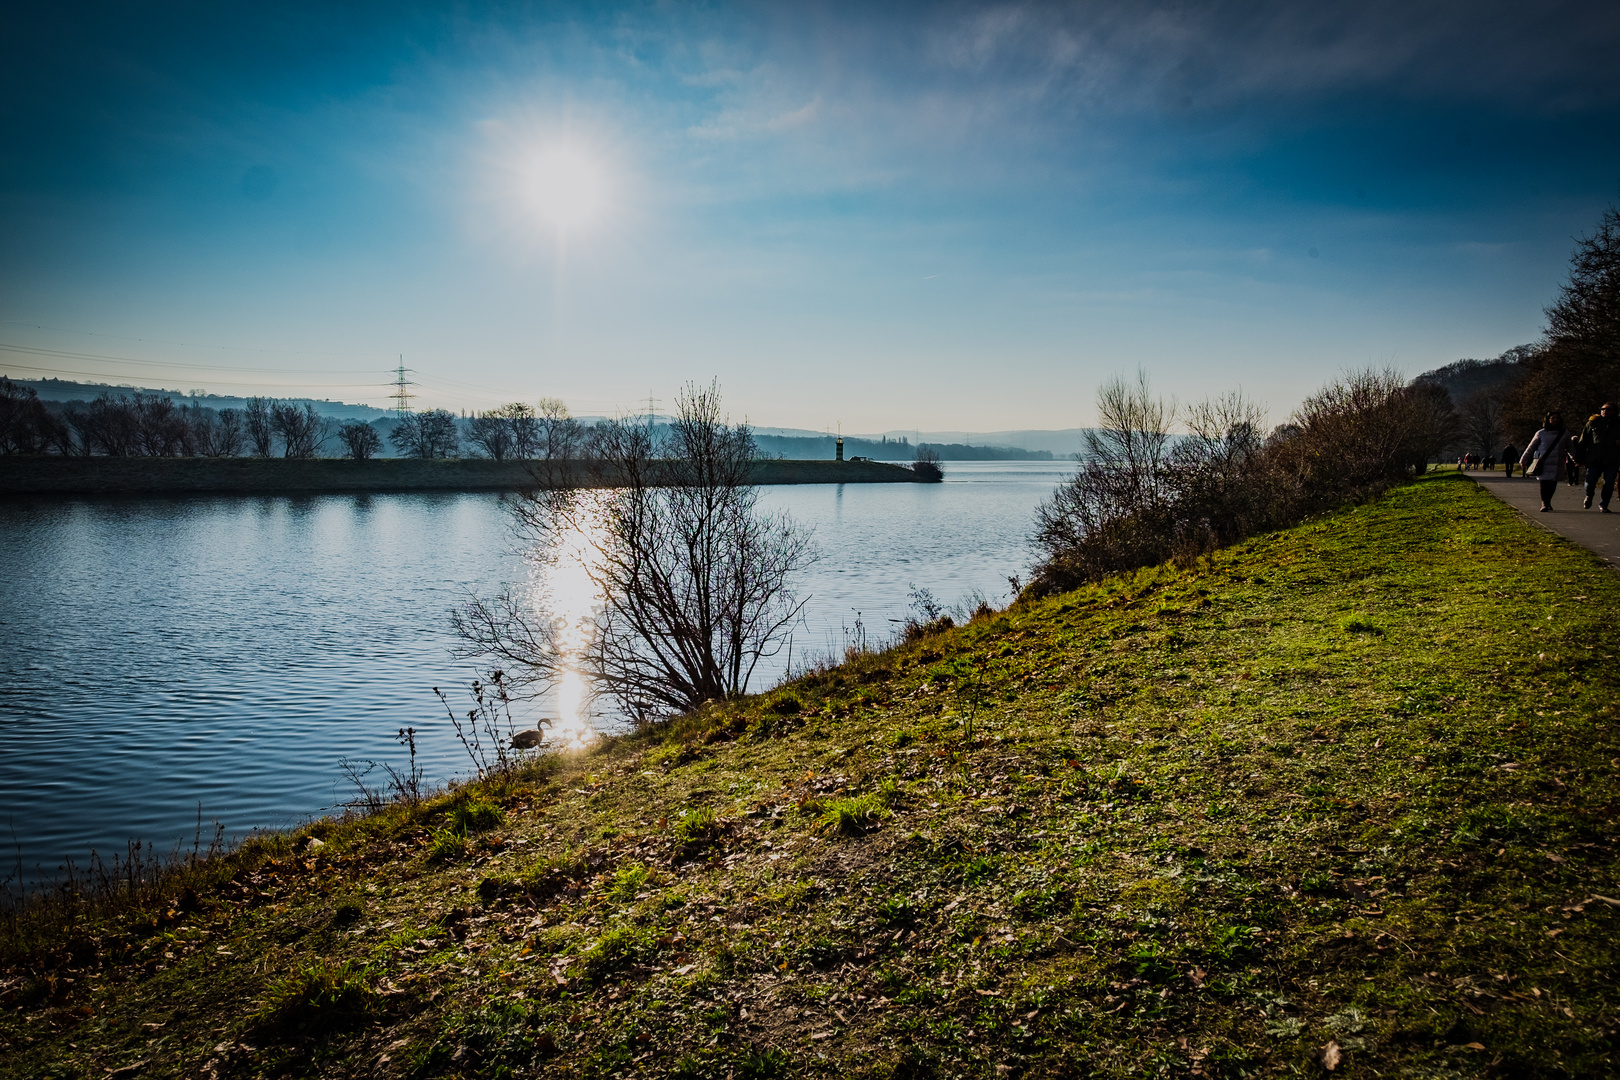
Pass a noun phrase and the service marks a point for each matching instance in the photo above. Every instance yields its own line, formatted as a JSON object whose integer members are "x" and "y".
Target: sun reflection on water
{"x": 562, "y": 590}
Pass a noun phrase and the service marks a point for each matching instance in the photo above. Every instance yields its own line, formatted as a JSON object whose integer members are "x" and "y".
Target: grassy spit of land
{"x": 1345, "y": 791}
{"x": 27, "y": 476}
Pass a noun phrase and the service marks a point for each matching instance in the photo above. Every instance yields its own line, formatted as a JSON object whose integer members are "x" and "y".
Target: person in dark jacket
{"x": 1598, "y": 449}
{"x": 1544, "y": 457}
{"x": 1510, "y": 454}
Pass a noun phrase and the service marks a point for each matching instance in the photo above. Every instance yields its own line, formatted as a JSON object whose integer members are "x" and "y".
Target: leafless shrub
{"x": 1364, "y": 432}
{"x": 480, "y": 730}
{"x": 404, "y": 785}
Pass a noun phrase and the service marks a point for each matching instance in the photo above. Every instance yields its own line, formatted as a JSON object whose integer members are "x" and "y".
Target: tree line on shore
{"x": 152, "y": 425}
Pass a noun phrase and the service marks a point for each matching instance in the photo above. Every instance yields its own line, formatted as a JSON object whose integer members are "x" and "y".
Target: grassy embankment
{"x": 22, "y": 476}
{"x": 1354, "y": 783}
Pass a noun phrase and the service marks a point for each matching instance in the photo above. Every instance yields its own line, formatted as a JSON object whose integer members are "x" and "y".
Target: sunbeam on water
{"x": 563, "y": 591}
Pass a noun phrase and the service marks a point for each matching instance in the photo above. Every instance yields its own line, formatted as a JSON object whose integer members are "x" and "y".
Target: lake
{"x": 161, "y": 658}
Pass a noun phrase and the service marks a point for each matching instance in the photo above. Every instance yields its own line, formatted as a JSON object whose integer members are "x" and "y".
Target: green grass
{"x": 1354, "y": 782}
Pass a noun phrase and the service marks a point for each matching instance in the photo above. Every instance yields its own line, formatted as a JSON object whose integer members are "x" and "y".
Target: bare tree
{"x": 200, "y": 428}
{"x": 491, "y": 434}
{"x": 1577, "y": 367}
{"x": 525, "y": 429}
{"x": 109, "y": 425}
{"x": 695, "y": 582}
{"x": 1480, "y": 420}
{"x": 26, "y": 426}
{"x": 303, "y": 431}
{"x": 431, "y": 434}
{"x": 360, "y": 440}
{"x": 559, "y": 433}
{"x": 229, "y": 438}
{"x": 160, "y": 427}
{"x": 260, "y": 427}
{"x": 1114, "y": 512}
{"x": 1586, "y": 315}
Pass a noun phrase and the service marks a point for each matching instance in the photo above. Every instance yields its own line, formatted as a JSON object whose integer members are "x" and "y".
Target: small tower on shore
{"x": 840, "y": 444}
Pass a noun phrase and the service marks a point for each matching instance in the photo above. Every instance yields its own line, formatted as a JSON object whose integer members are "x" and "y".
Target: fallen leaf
{"x": 1328, "y": 1056}
{"x": 1475, "y": 1046}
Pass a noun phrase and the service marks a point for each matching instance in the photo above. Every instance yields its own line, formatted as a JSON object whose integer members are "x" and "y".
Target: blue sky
{"x": 939, "y": 216}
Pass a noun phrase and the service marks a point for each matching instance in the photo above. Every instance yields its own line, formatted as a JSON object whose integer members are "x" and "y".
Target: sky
{"x": 876, "y": 216}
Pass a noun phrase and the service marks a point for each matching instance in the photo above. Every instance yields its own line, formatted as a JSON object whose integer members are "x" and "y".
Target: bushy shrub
{"x": 927, "y": 464}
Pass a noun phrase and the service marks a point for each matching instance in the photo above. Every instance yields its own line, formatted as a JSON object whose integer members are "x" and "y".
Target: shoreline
{"x": 51, "y": 476}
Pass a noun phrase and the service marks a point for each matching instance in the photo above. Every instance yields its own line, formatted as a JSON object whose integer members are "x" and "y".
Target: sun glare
{"x": 566, "y": 188}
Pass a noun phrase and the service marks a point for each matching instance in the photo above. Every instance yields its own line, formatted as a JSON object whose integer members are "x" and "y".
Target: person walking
{"x": 1510, "y": 454}
{"x": 1544, "y": 457}
{"x": 1598, "y": 449}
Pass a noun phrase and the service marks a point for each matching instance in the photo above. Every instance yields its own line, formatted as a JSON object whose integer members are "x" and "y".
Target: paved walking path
{"x": 1599, "y": 533}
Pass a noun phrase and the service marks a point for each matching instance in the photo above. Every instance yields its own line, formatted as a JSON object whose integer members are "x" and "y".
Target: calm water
{"x": 158, "y": 654}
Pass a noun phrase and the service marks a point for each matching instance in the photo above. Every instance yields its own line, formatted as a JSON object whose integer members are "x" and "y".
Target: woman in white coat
{"x": 1544, "y": 457}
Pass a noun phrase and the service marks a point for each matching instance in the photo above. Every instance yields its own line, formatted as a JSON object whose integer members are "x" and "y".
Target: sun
{"x": 566, "y": 188}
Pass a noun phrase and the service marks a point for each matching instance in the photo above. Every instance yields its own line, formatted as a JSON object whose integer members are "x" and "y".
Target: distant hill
{"x": 1465, "y": 378}
{"x": 68, "y": 390}
{"x": 1061, "y": 443}
{"x": 1026, "y": 445}
{"x": 883, "y": 448}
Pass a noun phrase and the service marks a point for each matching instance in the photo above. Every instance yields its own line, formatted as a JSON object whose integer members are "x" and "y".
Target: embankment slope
{"x": 1346, "y": 790}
